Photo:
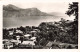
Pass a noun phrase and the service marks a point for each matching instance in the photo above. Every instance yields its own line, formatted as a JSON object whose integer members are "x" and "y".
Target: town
{"x": 48, "y": 35}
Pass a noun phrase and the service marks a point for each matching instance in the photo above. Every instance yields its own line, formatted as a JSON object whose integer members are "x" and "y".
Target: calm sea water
{"x": 9, "y": 22}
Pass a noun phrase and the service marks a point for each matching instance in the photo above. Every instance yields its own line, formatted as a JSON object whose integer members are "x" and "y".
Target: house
{"x": 27, "y": 36}
{"x": 33, "y": 38}
{"x": 5, "y": 40}
{"x": 17, "y": 37}
{"x": 33, "y": 33}
{"x": 8, "y": 45}
{"x": 10, "y": 32}
{"x": 28, "y": 42}
{"x": 15, "y": 42}
{"x": 19, "y": 31}
{"x": 37, "y": 30}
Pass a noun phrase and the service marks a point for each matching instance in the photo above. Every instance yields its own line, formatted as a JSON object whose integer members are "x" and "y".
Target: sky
{"x": 43, "y": 6}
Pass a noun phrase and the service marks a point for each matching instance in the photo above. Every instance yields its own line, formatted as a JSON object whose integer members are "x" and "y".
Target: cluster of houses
{"x": 19, "y": 40}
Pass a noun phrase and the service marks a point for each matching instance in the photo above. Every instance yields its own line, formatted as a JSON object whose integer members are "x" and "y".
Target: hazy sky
{"x": 45, "y": 7}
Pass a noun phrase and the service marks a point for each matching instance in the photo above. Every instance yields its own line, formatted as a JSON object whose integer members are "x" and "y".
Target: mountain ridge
{"x": 13, "y": 11}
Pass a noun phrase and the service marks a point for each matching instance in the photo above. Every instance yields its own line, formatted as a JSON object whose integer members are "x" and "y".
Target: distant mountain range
{"x": 13, "y": 11}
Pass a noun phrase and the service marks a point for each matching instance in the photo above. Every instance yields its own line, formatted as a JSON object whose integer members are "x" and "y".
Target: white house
{"x": 27, "y": 36}
{"x": 33, "y": 38}
{"x": 19, "y": 31}
{"x": 10, "y": 32}
{"x": 8, "y": 45}
{"x": 33, "y": 31}
{"x": 28, "y": 43}
{"x": 15, "y": 41}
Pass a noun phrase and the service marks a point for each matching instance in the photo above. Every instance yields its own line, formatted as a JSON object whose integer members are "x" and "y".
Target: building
{"x": 28, "y": 42}
{"x": 19, "y": 31}
{"x": 34, "y": 33}
{"x": 33, "y": 38}
{"x": 10, "y": 32}
{"x": 7, "y": 45}
{"x": 27, "y": 36}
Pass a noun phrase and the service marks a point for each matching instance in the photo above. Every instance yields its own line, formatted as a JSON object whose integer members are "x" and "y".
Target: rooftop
{"x": 27, "y": 35}
{"x": 33, "y": 38}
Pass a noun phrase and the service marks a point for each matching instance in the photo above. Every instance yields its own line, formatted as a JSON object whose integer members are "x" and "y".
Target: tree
{"x": 23, "y": 29}
{"x": 73, "y": 9}
{"x": 5, "y": 33}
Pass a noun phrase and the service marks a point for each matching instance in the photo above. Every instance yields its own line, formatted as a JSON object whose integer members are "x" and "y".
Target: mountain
{"x": 10, "y": 7}
{"x": 13, "y": 11}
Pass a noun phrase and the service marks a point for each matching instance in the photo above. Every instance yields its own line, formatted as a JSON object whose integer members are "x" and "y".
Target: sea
{"x": 13, "y": 22}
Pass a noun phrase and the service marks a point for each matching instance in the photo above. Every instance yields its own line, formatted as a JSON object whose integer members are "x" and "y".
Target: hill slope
{"x": 13, "y": 11}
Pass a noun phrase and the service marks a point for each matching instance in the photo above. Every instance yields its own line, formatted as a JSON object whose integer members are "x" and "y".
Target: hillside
{"x": 13, "y": 11}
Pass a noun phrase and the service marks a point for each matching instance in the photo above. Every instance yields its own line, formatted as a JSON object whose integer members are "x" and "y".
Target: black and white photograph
{"x": 39, "y": 25}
